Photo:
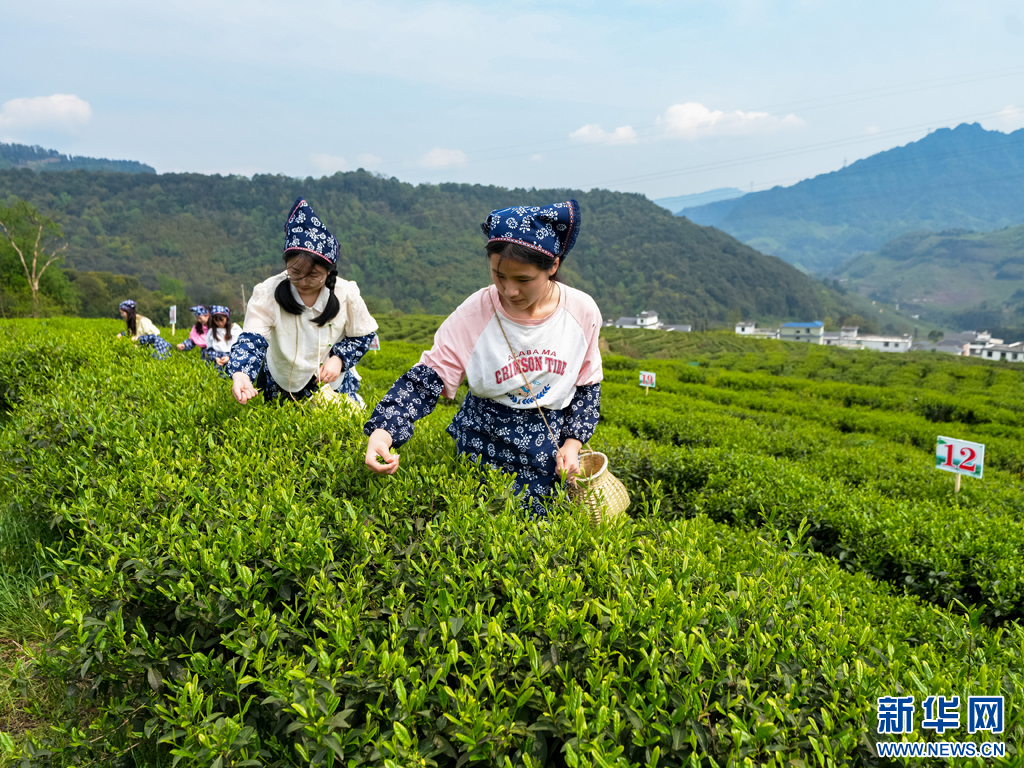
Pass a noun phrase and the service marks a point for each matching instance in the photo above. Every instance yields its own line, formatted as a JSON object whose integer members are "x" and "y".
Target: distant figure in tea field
{"x": 142, "y": 329}
{"x": 525, "y": 343}
{"x": 221, "y": 338}
{"x": 197, "y": 336}
{"x": 303, "y": 326}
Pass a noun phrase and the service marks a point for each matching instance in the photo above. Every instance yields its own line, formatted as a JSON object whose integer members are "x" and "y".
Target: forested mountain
{"x": 965, "y": 178}
{"x": 39, "y": 159}
{"x": 191, "y": 237}
{"x": 955, "y": 277}
{"x": 676, "y": 204}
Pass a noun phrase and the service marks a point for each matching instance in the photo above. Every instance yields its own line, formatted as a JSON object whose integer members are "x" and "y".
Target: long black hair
{"x": 286, "y": 299}
{"x": 216, "y": 329}
{"x": 524, "y": 255}
{"x": 130, "y": 320}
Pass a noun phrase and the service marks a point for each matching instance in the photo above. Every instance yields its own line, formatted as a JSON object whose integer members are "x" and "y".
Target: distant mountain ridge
{"x": 965, "y": 177}
{"x": 40, "y": 159}
{"x": 192, "y": 237}
{"x": 676, "y": 204}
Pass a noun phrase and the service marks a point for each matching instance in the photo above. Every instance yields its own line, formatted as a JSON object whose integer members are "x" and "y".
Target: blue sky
{"x": 661, "y": 98}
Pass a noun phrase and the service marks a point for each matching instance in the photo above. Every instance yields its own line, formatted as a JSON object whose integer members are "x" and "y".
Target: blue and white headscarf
{"x": 198, "y": 310}
{"x": 220, "y": 309}
{"x": 127, "y": 304}
{"x": 305, "y": 232}
{"x": 550, "y": 229}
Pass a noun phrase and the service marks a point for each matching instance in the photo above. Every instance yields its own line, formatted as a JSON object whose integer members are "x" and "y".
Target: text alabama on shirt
{"x": 556, "y": 353}
{"x": 296, "y": 337}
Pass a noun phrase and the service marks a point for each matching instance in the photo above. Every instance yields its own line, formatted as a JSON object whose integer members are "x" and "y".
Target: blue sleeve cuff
{"x": 247, "y": 355}
{"x": 410, "y": 398}
{"x": 351, "y": 349}
{"x": 582, "y": 413}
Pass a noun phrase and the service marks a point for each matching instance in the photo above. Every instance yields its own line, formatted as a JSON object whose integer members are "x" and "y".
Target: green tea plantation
{"x": 187, "y": 581}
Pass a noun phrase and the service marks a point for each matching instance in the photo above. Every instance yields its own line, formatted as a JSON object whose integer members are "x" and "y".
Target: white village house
{"x": 813, "y": 332}
{"x": 849, "y": 338}
{"x": 751, "y": 329}
{"x": 809, "y": 333}
{"x": 975, "y": 344}
{"x": 648, "y": 320}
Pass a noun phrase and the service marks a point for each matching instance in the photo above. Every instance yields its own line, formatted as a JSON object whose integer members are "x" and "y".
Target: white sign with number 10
{"x": 960, "y": 456}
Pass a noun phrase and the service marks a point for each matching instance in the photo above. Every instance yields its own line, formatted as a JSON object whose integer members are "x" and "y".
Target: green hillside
{"x": 966, "y": 178}
{"x": 40, "y": 159}
{"x": 954, "y": 277}
{"x": 190, "y": 237}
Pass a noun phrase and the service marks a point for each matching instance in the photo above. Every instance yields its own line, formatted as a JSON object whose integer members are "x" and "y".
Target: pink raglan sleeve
{"x": 456, "y": 338}
{"x": 584, "y": 309}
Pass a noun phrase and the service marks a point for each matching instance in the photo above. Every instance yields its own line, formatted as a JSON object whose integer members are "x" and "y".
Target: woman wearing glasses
{"x": 302, "y": 326}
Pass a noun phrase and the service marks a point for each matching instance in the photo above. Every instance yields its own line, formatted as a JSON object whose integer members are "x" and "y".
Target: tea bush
{"x": 231, "y": 587}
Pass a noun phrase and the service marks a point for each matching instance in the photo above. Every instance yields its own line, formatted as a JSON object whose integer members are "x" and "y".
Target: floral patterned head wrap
{"x": 305, "y": 232}
{"x": 550, "y": 229}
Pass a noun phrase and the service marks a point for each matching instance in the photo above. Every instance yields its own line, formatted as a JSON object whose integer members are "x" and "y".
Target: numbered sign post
{"x": 961, "y": 457}
{"x": 375, "y": 344}
{"x": 647, "y": 379}
{"x": 174, "y": 318}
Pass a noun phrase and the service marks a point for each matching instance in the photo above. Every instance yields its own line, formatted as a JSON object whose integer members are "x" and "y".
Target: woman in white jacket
{"x": 305, "y": 325}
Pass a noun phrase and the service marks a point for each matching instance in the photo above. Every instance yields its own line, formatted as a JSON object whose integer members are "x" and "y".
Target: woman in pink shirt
{"x": 197, "y": 336}
{"x": 525, "y": 341}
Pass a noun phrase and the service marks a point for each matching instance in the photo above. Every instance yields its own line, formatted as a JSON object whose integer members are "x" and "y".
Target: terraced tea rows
{"x": 227, "y": 586}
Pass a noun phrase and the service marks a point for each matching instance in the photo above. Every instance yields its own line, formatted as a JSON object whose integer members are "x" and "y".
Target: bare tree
{"x": 27, "y": 230}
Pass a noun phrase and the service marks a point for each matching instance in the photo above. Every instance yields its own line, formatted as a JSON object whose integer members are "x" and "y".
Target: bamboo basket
{"x": 597, "y": 489}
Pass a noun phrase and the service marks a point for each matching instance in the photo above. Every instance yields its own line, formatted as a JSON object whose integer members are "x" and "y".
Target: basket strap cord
{"x": 526, "y": 381}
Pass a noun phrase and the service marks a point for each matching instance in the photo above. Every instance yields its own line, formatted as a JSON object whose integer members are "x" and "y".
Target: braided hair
{"x": 286, "y": 299}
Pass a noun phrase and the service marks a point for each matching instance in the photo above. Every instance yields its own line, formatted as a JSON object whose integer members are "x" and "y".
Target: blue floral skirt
{"x": 273, "y": 391}
{"x": 161, "y": 349}
{"x": 511, "y": 440}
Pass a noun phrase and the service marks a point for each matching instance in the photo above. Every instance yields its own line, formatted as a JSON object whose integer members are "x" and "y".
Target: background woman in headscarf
{"x": 142, "y": 329}
{"x": 221, "y": 336}
{"x": 197, "y": 336}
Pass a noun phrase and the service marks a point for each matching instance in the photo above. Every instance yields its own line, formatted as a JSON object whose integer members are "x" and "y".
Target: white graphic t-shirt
{"x": 556, "y": 353}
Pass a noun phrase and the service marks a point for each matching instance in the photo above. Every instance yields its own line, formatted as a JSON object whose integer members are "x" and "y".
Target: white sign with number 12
{"x": 960, "y": 456}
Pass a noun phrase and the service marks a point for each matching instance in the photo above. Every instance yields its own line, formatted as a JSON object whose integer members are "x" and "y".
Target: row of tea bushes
{"x": 896, "y": 469}
{"x": 968, "y": 377}
{"x": 1004, "y": 442}
{"x": 998, "y": 405}
{"x": 932, "y": 550}
{"x": 233, "y": 588}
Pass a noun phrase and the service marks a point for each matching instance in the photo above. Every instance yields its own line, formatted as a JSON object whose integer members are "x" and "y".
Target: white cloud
{"x": 872, "y": 129}
{"x": 595, "y": 134}
{"x": 367, "y": 160}
{"x": 1010, "y": 118}
{"x": 692, "y": 120}
{"x": 443, "y": 158}
{"x": 62, "y": 111}
{"x": 328, "y": 164}
{"x": 537, "y": 158}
